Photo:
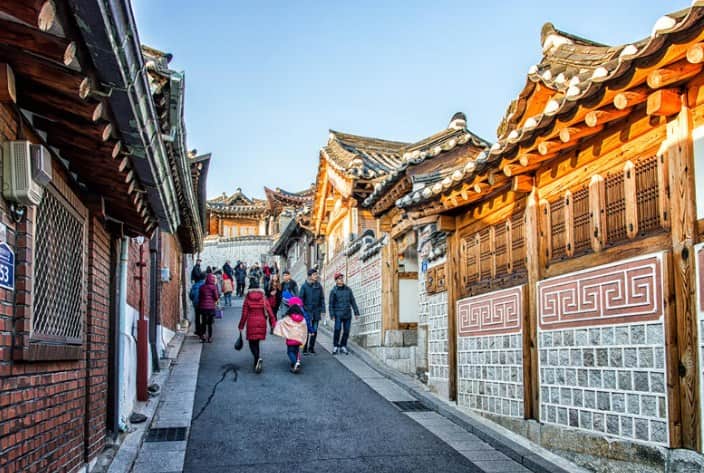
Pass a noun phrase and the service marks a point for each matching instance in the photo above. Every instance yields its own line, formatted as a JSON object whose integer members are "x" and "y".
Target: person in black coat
{"x": 241, "y": 278}
{"x": 313, "y": 299}
{"x": 342, "y": 304}
{"x": 288, "y": 284}
{"x": 196, "y": 273}
{"x": 227, "y": 269}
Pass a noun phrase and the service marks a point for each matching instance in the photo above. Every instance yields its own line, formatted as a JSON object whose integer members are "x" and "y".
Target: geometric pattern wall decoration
{"x": 625, "y": 292}
{"x": 499, "y": 312}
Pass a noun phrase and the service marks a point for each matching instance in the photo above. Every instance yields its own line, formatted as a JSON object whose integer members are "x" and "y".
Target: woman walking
{"x": 227, "y": 288}
{"x": 207, "y": 302}
{"x": 255, "y": 311}
{"x": 274, "y": 294}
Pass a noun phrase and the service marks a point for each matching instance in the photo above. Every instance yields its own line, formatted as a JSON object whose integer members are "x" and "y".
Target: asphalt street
{"x": 323, "y": 419}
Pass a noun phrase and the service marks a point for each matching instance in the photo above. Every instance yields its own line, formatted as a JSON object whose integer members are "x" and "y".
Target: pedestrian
{"x": 288, "y": 284}
{"x": 194, "y": 295}
{"x": 227, "y": 288}
{"x": 342, "y": 304}
{"x": 294, "y": 329}
{"x": 274, "y": 268}
{"x": 274, "y": 294}
{"x": 227, "y": 269}
{"x": 255, "y": 275}
{"x": 266, "y": 271}
{"x": 255, "y": 310}
{"x": 313, "y": 299}
{"x": 196, "y": 272}
{"x": 207, "y": 303}
{"x": 240, "y": 277}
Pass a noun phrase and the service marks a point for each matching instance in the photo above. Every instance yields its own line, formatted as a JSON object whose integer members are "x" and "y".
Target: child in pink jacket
{"x": 294, "y": 328}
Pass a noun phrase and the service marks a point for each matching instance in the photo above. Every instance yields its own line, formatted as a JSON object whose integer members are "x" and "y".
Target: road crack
{"x": 226, "y": 369}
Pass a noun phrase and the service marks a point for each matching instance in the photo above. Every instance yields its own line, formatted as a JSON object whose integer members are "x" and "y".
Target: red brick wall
{"x": 52, "y": 413}
{"x": 171, "y": 306}
{"x": 133, "y": 274}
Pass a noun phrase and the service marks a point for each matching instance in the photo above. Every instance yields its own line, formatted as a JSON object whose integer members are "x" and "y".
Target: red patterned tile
{"x": 495, "y": 313}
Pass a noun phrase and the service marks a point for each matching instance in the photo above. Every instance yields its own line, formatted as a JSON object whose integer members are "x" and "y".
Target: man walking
{"x": 313, "y": 299}
{"x": 197, "y": 273}
{"x": 342, "y": 304}
{"x": 240, "y": 277}
{"x": 227, "y": 269}
{"x": 255, "y": 275}
{"x": 288, "y": 284}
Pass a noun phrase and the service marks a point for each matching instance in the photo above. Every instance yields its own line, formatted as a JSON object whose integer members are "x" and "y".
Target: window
{"x": 698, "y": 138}
{"x": 58, "y": 272}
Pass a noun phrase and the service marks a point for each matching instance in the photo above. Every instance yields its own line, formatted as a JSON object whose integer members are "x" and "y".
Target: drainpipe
{"x": 121, "y": 315}
{"x": 142, "y": 331}
{"x": 154, "y": 290}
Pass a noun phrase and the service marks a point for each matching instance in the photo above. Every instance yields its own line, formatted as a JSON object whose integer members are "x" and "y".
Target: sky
{"x": 267, "y": 80}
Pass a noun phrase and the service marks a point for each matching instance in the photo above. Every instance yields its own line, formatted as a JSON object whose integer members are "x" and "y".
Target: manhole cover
{"x": 170, "y": 434}
{"x": 411, "y": 406}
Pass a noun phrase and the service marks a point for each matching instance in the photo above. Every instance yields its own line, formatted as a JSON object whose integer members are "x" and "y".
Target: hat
{"x": 312, "y": 271}
{"x": 338, "y": 275}
{"x": 295, "y": 301}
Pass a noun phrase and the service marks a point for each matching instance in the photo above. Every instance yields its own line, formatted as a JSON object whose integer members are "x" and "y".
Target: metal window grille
{"x": 58, "y": 272}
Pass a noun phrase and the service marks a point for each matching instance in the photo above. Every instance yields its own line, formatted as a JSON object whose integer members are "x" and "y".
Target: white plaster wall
{"x": 216, "y": 252}
{"x": 128, "y": 378}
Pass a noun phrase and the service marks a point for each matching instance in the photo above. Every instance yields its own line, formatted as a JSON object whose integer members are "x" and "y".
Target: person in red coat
{"x": 208, "y": 296}
{"x": 255, "y": 310}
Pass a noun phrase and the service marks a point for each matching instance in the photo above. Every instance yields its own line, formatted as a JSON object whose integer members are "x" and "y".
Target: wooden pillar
{"x": 220, "y": 227}
{"x": 453, "y": 287}
{"x": 679, "y": 153}
{"x": 535, "y": 258}
{"x": 389, "y": 288}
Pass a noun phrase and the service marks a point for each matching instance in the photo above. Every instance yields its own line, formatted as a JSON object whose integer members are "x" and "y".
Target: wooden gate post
{"x": 534, "y": 265}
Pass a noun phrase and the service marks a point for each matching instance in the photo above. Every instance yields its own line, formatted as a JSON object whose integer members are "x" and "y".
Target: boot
{"x": 311, "y": 343}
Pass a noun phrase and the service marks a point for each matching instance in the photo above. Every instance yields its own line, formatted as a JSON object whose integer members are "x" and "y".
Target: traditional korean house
{"x": 85, "y": 170}
{"x": 284, "y": 205}
{"x": 575, "y": 252}
{"x": 417, "y": 298}
{"x": 296, "y": 246}
{"x": 238, "y": 230}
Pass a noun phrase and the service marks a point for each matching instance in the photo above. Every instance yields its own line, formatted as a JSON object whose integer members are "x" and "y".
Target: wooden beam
{"x": 446, "y": 223}
{"x": 631, "y": 199}
{"x": 526, "y": 159}
{"x": 522, "y": 184}
{"x": 453, "y": 289}
{"x": 8, "y": 93}
{"x": 37, "y": 42}
{"x": 630, "y": 98}
{"x": 695, "y": 53}
{"x": 683, "y": 231}
{"x": 672, "y": 74}
{"x": 530, "y": 331}
{"x": 511, "y": 170}
{"x": 37, "y": 70}
{"x": 574, "y": 133}
{"x": 56, "y": 106}
{"x": 551, "y": 147}
{"x": 93, "y": 131}
{"x": 663, "y": 103}
{"x": 600, "y": 117}
{"x": 39, "y": 13}
{"x": 124, "y": 164}
{"x": 597, "y": 204}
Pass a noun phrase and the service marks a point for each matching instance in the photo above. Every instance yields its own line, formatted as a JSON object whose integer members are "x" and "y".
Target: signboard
{"x": 7, "y": 267}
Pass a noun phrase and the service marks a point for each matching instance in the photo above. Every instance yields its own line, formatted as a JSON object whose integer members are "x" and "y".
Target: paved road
{"x": 324, "y": 419}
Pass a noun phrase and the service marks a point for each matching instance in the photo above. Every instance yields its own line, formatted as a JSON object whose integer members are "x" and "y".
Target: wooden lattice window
{"x": 470, "y": 259}
{"x": 647, "y": 194}
{"x": 581, "y": 222}
{"x": 485, "y": 254}
{"x": 518, "y": 242}
{"x": 58, "y": 272}
{"x": 501, "y": 250}
{"x": 615, "y": 209}
{"x": 557, "y": 230}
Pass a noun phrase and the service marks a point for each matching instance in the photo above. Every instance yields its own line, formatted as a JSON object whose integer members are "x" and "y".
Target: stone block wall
{"x": 602, "y": 352}
{"x": 367, "y": 290}
{"x": 247, "y": 249}
{"x": 438, "y": 368}
{"x": 490, "y": 353}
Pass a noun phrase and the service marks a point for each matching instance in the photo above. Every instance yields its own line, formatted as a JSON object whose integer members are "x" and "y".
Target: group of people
{"x": 290, "y": 312}
{"x": 300, "y": 312}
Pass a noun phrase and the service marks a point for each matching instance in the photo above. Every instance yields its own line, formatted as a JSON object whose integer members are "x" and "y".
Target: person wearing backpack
{"x": 194, "y": 295}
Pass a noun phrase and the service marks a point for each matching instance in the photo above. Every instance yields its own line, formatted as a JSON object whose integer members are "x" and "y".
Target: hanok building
{"x": 414, "y": 255}
{"x": 85, "y": 168}
{"x": 575, "y": 254}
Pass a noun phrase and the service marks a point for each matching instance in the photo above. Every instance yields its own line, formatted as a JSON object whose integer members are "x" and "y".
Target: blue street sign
{"x": 424, "y": 266}
{"x": 7, "y": 267}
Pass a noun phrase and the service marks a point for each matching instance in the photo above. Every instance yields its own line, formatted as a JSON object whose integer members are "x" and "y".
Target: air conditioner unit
{"x": 41, "y": 165}
{"x": 17, "y": 183}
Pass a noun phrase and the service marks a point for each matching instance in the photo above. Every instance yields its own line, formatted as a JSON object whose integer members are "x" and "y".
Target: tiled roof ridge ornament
{"x": 551, "y": 39}
{"x": 458, "y": 121}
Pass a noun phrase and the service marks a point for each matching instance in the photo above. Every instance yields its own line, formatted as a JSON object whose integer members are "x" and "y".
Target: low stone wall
{"x": 490, "y": 353}
{"x": 248, "y": 249}
{"x": 434, "y": 310}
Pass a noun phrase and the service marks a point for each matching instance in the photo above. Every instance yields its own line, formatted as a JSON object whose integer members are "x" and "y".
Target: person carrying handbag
{"x": 255, "y": 311}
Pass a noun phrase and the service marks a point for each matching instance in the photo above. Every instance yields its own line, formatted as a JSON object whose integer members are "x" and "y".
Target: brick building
{"x": 93, "y": 174}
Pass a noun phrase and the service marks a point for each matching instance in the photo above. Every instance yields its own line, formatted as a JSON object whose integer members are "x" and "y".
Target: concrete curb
{"x": 514, "y": 446}
{"x": 123, "y": 459}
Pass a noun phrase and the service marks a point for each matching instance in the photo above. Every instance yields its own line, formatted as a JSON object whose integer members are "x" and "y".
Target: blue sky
{"x": 267, "y": 80}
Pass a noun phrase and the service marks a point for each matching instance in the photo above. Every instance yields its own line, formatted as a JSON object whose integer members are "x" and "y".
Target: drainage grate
{"x": 411, "y": 406}
{"x": 170, "y": 434}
